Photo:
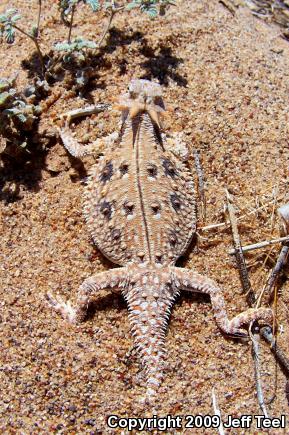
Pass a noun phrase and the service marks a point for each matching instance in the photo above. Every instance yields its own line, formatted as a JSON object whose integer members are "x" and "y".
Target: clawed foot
{"x": 239, "y": 333}
{"x": 265, "y": 315}
{"x": 64, "y": 308}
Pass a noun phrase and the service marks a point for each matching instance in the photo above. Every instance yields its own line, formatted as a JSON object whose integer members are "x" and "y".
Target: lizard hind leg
{"x": 72, "y": 145}
{"x": 112, "y": 280}
{"x": 192, "y": 281}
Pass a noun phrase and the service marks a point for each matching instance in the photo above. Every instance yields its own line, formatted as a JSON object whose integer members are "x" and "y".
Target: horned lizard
{"x": 140, "y": 209}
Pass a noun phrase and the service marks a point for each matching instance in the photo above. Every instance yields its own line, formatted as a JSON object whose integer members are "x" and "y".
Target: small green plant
{"x": 17, "y": 114}
{"x": 8, "y": 25}
{"x": 67, "y": 7}
{"x": 150, "y": 7}
{"x": 75, "y": 49}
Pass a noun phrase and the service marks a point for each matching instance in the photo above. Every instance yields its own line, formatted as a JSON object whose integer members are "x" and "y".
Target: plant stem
{"x": 71, "y": 23}
{"x": 39, "y": 16}
{"x": 36, "y": 45}
{"x": 261, "y": 244}
{"x": 113, "y": 11}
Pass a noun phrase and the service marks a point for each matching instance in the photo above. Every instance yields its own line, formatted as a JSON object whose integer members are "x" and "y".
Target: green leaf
{"x": 106, "y": 5}
{"x": 34, "y": 31}
{"x": 9, "y": 34}
{"x": 78, "y": 44}
{"x": 15, "y": 18}
{"x": 21, "y": 117}
{"x": 152, "y": 12}
{"x": 62, "y": 46}
{"x": 4, "y": 85}
{"x": 94, "y": 4}
{"x": 4, "y": 98}
{"x": 3, "y": 18}
{"x": 133, "y": 4}
{"x": 11, "y": 12}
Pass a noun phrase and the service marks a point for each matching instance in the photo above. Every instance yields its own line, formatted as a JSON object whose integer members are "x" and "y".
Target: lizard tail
{"x": 149, "y": 303}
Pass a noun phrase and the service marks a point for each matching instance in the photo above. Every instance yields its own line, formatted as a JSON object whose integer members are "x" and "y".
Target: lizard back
{"x": 140, "y": 202}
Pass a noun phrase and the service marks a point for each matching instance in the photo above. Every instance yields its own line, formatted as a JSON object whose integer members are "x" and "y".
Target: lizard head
{"x": 143, "y": 96}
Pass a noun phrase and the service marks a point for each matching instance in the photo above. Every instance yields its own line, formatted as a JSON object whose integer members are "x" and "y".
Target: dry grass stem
{"x": 247, "y": 288}
{"x": 261, "y": 244}
{"x": 280, "y": 263}
{"x": 256, "y": 358}
{"x": 249, "y": 213}
{"x": 201, "y": 184}
{"x": 280, "y": 356}
{"x": 217, "y": 412}
{"x": 243, "y": 272}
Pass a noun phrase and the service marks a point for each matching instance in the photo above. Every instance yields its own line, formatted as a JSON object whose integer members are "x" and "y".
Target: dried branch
{"x": 280, "y": 356}
{"x": 201, "y": 184}
{"x": 217, "y": 412}
{"x": 261, "y": 244}
{"x": 39, "y": 17}
{"x": 34, "y": 39}
{"x": 251, "y": 298}
{"x": 70, "y": 24}
{"x": 239, "y": 253}
{"x": 281, "y": 261}
{"x": 255, "y": 354}
{"x": 227, "y": 223}
{"x": 229, "y": 5}
{"x": 113, "y": 11}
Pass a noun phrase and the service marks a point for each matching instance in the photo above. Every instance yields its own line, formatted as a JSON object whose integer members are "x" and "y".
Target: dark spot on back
{"x": 159, "y": 258}
{"x": 115, "y": 234}
{"x": 173, "y": 240}
{"x": 152, "y": 170}
{"x": 175, "y": 201}
{"x": 105, "y": 209}
{"x": 169, "y": 168}
{"x": 106, "y": 173}
{"x": 123, "y": 168}
{"x": 141, "y": 256}
{"x": 155, "y": 207}
{"x": 128, "y": 207}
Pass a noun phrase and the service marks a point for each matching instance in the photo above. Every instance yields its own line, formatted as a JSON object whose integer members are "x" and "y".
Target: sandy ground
{"x": 226, "y": 78}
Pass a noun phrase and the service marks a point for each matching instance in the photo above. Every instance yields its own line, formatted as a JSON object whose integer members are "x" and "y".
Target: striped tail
{"x": 149, "y": 302}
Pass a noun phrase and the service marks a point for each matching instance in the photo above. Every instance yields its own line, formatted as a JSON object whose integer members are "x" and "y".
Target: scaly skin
{"x": 140, "y": 210}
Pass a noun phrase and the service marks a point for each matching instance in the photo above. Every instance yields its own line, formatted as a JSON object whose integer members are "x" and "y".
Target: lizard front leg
{"x": 193, "y": 281}
{"x": 113, "y": 280}
{"x": 72, "y": 145}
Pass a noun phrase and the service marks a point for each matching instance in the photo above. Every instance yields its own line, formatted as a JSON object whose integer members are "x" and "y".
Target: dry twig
{"x": 239, "y": 253}
{"x": 201, "y": 184}
{"x": 280, "y": 356}
{"x": 229, "y": 5}
{"x": 255, "y": 354}
{"x": 217, "y": 412}
{"x": 249, "y": 213}
{"x": 250, "y": 298}
{"x": 281, "y": 261}
{"x": 261, "y": 244}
